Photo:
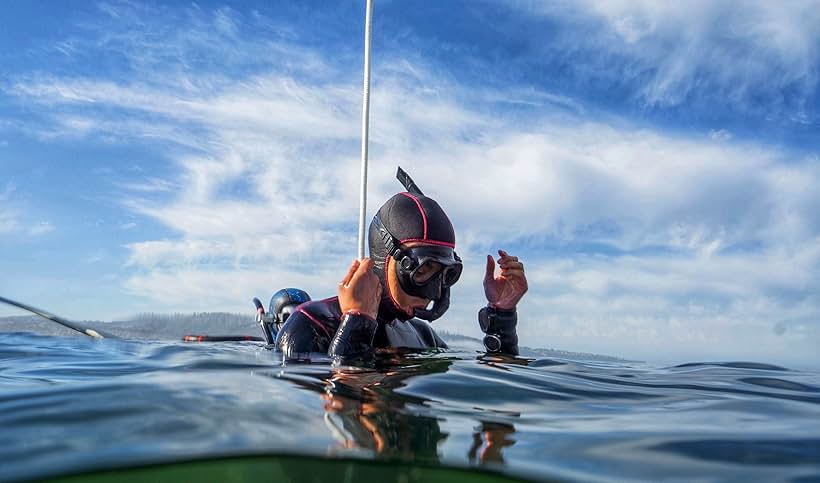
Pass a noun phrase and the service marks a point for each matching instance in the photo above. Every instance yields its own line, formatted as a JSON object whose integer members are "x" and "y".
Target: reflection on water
{"x": 365, "y": 411}
{"x": 366, "y": 414}
{"x": 361, "y": 414}
{"x": 489, "y": 441}
{"x": 73, "y": 404}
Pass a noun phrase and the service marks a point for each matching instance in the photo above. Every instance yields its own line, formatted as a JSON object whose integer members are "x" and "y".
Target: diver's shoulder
{"x": 427, "y": 333}
{"x": 323, "y": 308}
{"x": 310, "y": 327}
{"x": 420, "y": 324}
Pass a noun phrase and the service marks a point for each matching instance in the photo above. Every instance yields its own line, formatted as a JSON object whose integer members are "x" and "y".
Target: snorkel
{"x": 429, "y": 267}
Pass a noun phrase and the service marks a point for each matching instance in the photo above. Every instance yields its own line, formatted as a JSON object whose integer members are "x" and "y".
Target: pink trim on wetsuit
{"x": 360, "y": 314}
{"x": 324, "y": 300}
{"x": 421, "y": 210}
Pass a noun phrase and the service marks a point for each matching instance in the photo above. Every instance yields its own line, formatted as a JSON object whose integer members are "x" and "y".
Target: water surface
{"x": 72, "y": 404}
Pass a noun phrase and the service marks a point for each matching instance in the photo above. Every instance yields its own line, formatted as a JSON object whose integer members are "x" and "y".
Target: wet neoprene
{"x": 499, "y": 325}
{"x": 408, "y": 217}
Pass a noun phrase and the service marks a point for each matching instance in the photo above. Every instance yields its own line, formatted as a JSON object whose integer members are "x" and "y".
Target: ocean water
{"x": 71, "y": 404}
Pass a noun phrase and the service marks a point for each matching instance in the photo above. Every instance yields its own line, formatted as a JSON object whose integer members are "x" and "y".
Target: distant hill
{"x": 152, "y": 326}
{"x": 145, "y": 326}
{"x": 35, "y": 324}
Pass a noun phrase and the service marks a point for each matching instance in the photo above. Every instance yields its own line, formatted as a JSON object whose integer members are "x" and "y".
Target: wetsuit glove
{"x": 500, "y": 327}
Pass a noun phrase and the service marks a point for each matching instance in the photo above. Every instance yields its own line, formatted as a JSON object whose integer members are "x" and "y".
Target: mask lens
{"x": 452, "y": 274}
{"x": 428, "y": 266}
{"x": 426, "y": 271}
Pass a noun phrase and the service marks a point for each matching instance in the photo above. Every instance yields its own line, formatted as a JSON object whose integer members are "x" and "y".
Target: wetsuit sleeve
{"x": 500, "y": 323}
{"x": 354, "y": 338}
{"x": 297, "y": 338}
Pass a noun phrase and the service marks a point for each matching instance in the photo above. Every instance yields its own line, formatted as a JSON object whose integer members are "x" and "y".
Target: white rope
{"x": 365, "y": 126}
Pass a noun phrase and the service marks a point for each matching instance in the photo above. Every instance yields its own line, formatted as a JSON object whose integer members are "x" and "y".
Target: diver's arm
{"x": 297, "y": 338}
{"x": 354, "y": 337}
{"x": 499, "y": 325}
{"x": 499, "y": 319}
{"x": 359, "y": 295}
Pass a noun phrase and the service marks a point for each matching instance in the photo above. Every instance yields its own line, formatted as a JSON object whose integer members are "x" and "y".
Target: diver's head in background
{"x": 284, "y": 303}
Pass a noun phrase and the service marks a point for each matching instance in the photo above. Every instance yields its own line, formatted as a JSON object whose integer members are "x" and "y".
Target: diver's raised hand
{"x": 505, "y": 290}
{"x": 360, "y": 291}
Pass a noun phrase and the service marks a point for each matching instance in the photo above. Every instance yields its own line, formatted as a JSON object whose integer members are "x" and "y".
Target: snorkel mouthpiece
{"x": 440, "y": 305}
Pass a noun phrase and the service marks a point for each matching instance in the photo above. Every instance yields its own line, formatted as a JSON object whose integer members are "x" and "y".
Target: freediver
{"x": 282, "y": 304}
{"x": 383, "y": 299}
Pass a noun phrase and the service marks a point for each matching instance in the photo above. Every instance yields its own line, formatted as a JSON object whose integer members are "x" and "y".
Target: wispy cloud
{"x": 759, "y": 57}
{"x": 11, "y": 215}
{"x": 720, "y": 135}
{"x": 95, "y": 257}
{"x": 150, "y": 185}
{"x": 629, "y": 233}
{"x": 41, "y": 228}
{"x": 8, "y": 219}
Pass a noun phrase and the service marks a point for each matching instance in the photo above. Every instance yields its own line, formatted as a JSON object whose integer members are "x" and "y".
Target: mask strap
{"x": 390, "y": 242}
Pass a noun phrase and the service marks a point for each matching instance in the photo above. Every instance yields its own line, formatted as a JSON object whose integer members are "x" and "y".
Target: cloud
{"x": 669, "y": 307}
{"x": 632, "y": 236}
{"x": 759, "y": 57}
{"x": 8, "y": 218}
{"x": 202, "y": 289}
{"x": 95, "y": 257}
{"x": 41, "y": 228}
{"x": 8, "y": 222}
{"x": 151, "y": 185}
{"x": 720, "y": 135}
{"x": 701, "y": 203}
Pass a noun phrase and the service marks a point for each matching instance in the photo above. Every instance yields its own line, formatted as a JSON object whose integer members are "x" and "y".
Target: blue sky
{"x": 656, "y": 166}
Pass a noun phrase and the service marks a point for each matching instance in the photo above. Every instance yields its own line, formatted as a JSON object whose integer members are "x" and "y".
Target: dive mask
{"x": 425, "y": 271}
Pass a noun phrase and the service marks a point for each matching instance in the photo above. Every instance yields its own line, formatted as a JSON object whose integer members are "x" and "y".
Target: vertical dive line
{"x": 365, "y": 125}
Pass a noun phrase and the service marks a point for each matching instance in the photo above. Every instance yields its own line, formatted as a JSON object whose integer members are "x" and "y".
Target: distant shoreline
{"x": 152, "y": 326}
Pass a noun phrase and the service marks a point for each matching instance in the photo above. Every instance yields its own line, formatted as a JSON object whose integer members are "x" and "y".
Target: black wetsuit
{"x": 320, "y": 327}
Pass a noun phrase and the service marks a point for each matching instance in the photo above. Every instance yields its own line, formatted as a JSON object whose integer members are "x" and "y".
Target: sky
{"x": 655, "y": 165}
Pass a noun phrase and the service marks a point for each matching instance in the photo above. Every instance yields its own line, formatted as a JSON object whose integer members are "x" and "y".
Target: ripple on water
{"x": 68, "y": 404}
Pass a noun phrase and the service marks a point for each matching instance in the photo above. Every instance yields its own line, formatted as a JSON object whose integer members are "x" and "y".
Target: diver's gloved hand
{"x": 360, "y": 291}
{"x": 505, "y": 291}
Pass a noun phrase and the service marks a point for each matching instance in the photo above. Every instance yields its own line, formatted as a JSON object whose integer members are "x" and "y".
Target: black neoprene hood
{"x": 404, "y": 218}
{"x": 409, "y": 218}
